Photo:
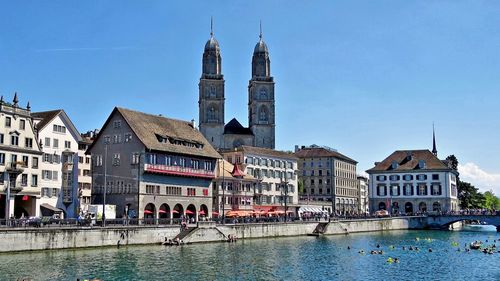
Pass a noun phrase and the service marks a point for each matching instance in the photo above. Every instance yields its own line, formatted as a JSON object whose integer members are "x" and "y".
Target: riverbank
{"x": 32, "y": 239}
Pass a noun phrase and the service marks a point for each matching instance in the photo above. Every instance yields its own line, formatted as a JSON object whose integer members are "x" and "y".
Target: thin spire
{"x": 211, "y": 27}
{"x": 16, "y": 100}
{"x": 260, "y": 34}
{"x": 434, "y": 150}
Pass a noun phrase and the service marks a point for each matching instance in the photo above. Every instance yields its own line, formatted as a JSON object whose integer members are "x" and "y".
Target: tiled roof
{"x": 228, "y": 168}
{"x": 265, "y": 152}
{"x": 316, "y": 152}
{"x": 46, "y": 117}
{"x": 148, "y": 128}
{"x": 406, "y": 163}
{"x": 235, "y": 127}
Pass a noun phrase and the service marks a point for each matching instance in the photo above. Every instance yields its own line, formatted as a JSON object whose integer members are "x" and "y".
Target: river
{"x": 297, "y": 258}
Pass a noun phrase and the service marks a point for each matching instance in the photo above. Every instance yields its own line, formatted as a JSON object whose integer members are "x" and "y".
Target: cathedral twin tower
{"x": 261, "y": 112}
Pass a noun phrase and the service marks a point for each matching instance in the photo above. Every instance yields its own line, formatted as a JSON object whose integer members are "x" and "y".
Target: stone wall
{"x": 48, "y": 239}
{"x": 68, "y": 238}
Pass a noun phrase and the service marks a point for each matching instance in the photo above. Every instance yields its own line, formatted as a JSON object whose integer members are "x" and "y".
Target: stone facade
{"x": 328, "y": 175}
{"x": 20, "y": 156}
{"x": 152, "y": 170}
{"x": 413, "y": 181}
{"x": 261, "y": 107}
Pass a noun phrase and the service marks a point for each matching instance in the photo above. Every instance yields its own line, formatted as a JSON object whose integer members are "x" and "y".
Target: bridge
{"x": 444, "y": 221}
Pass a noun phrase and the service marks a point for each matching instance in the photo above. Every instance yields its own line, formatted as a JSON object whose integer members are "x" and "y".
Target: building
{"x": 412, "y": 181}
{"x": 233, "y": 189}
{"x": 328, "y": 176}
{"x": 59, "y": 140}
{"x": 150, "y": 166}
{"x": 85, "y": 170}
{"x": 276, "y": 172}
{"x": 261, "y": 111}
{"x": 20, "y": 155}
{"x": 364, "y": 207}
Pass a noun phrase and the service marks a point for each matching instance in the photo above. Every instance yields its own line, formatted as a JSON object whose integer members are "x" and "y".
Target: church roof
{"x": 235, "y": 127}
{"x": 260, "y": 47}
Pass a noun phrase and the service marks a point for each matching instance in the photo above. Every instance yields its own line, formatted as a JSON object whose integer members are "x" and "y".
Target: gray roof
{"x": 148, "y": 128}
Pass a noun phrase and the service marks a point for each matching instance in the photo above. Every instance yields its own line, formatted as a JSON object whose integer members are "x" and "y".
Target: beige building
{"x": 233, "y": 190}
{"x": 84, "y": 170}
{"x": 328, "y": 176}
{"x": 276, "y": 172}
{"x": 20, "y": 156}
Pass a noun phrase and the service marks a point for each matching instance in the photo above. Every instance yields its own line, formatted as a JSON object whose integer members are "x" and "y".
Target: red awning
{"x": 215, "y": 213}
{"x": 147, "y": 212}
{"x": 202, "y": 212}
{"x": 175, "y": 211}
{"x": 188, "y": 212}
{"x": 163, "y": 211}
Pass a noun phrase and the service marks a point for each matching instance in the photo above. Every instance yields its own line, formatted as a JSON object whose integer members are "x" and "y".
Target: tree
{"x": 492, "y": 202}
{"x": 301, "y": 187}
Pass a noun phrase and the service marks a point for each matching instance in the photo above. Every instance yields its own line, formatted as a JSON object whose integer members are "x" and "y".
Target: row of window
{"x": 409, "y": 190}
{"x": 420, "y": 177}
{"x": 260, "y": 200}
{"x": 262, "y": 162}
{"x": 59, "y": 129}
{"x": 338, "y": 164}
{"x": 127, "y": 137}
{"x": 8, "y": 123}
{"x": 50, "y": 192}
{"x": 260, "y": 174}
{"x": 55, "y": 143}
{"x": 24, "y": 160}
{"x": 84, "y": 185}
{"x": 24, "y": 180}
{"x": 81, "y": 159}
{"x": 168, "y": 160}
{"x": 14, "y": 140}
{"x": 339, "y": 191}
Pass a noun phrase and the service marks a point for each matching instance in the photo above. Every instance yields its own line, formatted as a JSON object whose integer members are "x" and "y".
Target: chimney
{"x": 296, "y": 148}
{"x": 193, "y": 123}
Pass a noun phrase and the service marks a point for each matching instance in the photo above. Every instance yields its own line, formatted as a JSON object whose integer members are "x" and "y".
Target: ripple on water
{"x": 297, "y": 258}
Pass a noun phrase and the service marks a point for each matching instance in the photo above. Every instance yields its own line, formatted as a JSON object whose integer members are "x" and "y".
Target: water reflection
{"x": 297, "y": 258}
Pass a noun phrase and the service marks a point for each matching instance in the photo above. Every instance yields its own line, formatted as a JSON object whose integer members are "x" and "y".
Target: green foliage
{"x": 301, "y": 187}
{"x": 491, "y": 201}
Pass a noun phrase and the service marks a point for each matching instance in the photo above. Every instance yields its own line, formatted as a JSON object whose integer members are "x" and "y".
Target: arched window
{"x": 212, "y": 113}
{"x": 263, "y": 94}
{"x": 263, "y": 114}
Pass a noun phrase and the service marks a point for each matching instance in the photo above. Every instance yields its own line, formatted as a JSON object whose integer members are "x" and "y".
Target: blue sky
{"x": 365, "y": 77}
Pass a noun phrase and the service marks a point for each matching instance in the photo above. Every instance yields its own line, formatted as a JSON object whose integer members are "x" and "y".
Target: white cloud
{"x": 481, "y": 179}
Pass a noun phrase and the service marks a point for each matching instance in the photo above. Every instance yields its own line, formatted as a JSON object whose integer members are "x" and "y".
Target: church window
{"x": 263, "y": 94}
{"x": 212, "y": 114}
{"x": 263, "y": 114}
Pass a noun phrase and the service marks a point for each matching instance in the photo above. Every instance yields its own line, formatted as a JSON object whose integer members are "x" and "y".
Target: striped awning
{"x": 311, "y": 209}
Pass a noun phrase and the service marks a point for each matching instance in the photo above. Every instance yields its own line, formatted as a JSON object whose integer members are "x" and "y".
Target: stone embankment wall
{"x": 66, "y": 238}
{"x": 69, "y": 238}
{"x": 245, "y": 231}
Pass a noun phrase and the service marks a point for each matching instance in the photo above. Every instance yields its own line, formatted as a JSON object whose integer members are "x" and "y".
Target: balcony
{"x": 15, "y": 167}
{"x": 179, "y": 171}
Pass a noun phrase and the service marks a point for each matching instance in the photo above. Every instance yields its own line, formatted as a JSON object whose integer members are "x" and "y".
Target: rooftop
{"x": 408, "y": 160}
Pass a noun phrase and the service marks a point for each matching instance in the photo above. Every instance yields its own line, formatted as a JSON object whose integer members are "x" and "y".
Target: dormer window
{"x": 421, "y": 164}
{"x": 394, "y": 165}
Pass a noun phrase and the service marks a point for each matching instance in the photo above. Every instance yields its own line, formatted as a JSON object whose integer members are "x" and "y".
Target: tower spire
{"x": 211, "y": 26}
{"x": 434, "y": 150}
{"x": 260, "y": 34}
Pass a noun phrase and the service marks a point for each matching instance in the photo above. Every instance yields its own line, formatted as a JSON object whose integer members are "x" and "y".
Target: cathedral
{"x": 261, "y": 112}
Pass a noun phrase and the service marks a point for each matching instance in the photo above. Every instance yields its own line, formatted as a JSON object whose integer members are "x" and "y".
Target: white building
{"x": 274, "y": 170}
{"x": 363, "y": 195}
{"x": 59, "y": 140}
{"x": 19, "y": 161}
{"x": 411, "y": 181}
{"x": 84, "y": 170}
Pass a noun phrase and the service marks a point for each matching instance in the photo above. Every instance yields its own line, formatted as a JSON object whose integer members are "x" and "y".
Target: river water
{"x": 297, "y": 258}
